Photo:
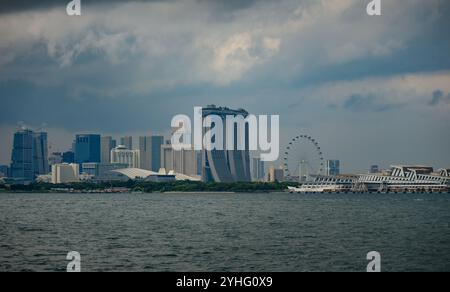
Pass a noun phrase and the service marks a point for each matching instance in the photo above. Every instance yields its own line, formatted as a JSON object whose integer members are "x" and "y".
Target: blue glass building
{"x": 87, "y": 148}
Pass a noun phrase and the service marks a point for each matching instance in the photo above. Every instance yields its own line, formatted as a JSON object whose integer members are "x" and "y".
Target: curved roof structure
{"x": 134, "y": 173}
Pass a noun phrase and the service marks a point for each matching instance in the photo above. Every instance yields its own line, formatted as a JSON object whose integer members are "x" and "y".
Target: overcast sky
{"x": 371, "y": 90}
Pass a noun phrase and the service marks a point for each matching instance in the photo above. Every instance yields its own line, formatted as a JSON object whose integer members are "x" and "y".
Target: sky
{"x": 370, "y": 89}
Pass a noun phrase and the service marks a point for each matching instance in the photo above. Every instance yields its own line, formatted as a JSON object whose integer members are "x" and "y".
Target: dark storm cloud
{"x": 358, "y": 102}
{"x": 10, "y": 6}
{"x": 27, "y": 5}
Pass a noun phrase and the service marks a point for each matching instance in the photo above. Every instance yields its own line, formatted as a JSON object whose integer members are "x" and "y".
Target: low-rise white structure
{"x": 65, "y": 173}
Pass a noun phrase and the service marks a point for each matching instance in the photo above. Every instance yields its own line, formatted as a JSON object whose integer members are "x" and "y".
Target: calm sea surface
{"x": 224, "y": 232}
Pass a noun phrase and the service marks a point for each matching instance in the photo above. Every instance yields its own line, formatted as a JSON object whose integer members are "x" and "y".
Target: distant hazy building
{"x": 55, "y": 158}
{"x": 374, "y": 169}
{"x": 182, "y": 161}
{"x": 276, "y": 174}
{"x": 333, "y": 167}
{"x": 226, "y": 165}
{"x": 65, "y": 173}
{"x": 68, "y": 157}
{"x": 127, "y": 141}
{"x": 87, "y": 148}
{"x": 4, "y": 171}
{"x": 29, "y": 156}
{"x": 150, "y": 151}
{"x": 107, "y": 145}
{"x": 258, "y": 171}
{"x": 304, "y": 171}
{"x": 122, "y": 154}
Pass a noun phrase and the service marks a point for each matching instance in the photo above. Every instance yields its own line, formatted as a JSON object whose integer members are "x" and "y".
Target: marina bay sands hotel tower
{"x": 226, "y": 165}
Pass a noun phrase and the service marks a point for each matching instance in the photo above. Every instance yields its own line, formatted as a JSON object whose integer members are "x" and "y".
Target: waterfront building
{"x": 103, "y": 171}
{"x": 107, "y": 145}
{"x": 226, "y": 165}
{"x": 406, "y": 178}
{"x": 122, "y": 154}
{"x": 276, "y": 174}
{"x": 127, "y": 141}
{"x": 29, "y": 156}
{"x": 333, "y": 167}
{"x": 150, "y": 148}
{"x": 65, "y": 173}
{"x": 258, "y": 171}
{"x": 87, "y": 148}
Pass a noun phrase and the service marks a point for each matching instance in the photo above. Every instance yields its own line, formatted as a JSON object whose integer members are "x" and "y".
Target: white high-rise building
{"x": 65, "y": 173}
{"x": 122, "y": 154}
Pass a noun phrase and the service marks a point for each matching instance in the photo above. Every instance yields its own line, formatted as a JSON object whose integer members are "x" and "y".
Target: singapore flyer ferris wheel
{"x": 303, "y": 159}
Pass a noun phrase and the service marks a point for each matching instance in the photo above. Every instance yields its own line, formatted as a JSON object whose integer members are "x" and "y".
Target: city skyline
{"x": 372, "y": 92}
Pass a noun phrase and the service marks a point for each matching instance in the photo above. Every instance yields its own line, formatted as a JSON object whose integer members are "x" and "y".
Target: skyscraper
{"x": 127, "y": 141}
{"x": 40, "y": 153}
{"x": 106, "y": 146}
{"x": 87, "y": 148}
{"x": 226, "y": 165}
{"x": 333, "y": 167}
{"x": 150, "y": 148}
{"x": 29, "y": 156}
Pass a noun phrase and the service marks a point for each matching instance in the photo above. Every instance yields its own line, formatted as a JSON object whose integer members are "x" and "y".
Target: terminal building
{"x": 406, "y": 178}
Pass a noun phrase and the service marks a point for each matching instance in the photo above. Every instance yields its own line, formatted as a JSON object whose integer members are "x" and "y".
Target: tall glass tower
{"x": 29, "y": 155}
{"x": 87, "y": 148}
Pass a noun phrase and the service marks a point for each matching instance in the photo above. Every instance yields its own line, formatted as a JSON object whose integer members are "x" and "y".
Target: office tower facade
{"x": 180, "y": 161}
{"x": 87, "y": 148}
{"x": 333, "y": 167}
{"x": 150, "y": 148}
{"x": 65, "y": 173}
{"x": 276, "y": 174}
{"x": 127, "y": 141}
{"x": 123, "y": 155}
{"x": 106, "y": 146}
{"x": 29, "y": 156}
{"x": 258, "y": 171}
{"x": 40, "y": 153}
{"x": 68, "y": 157}
{"x": 226, "y": 165}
